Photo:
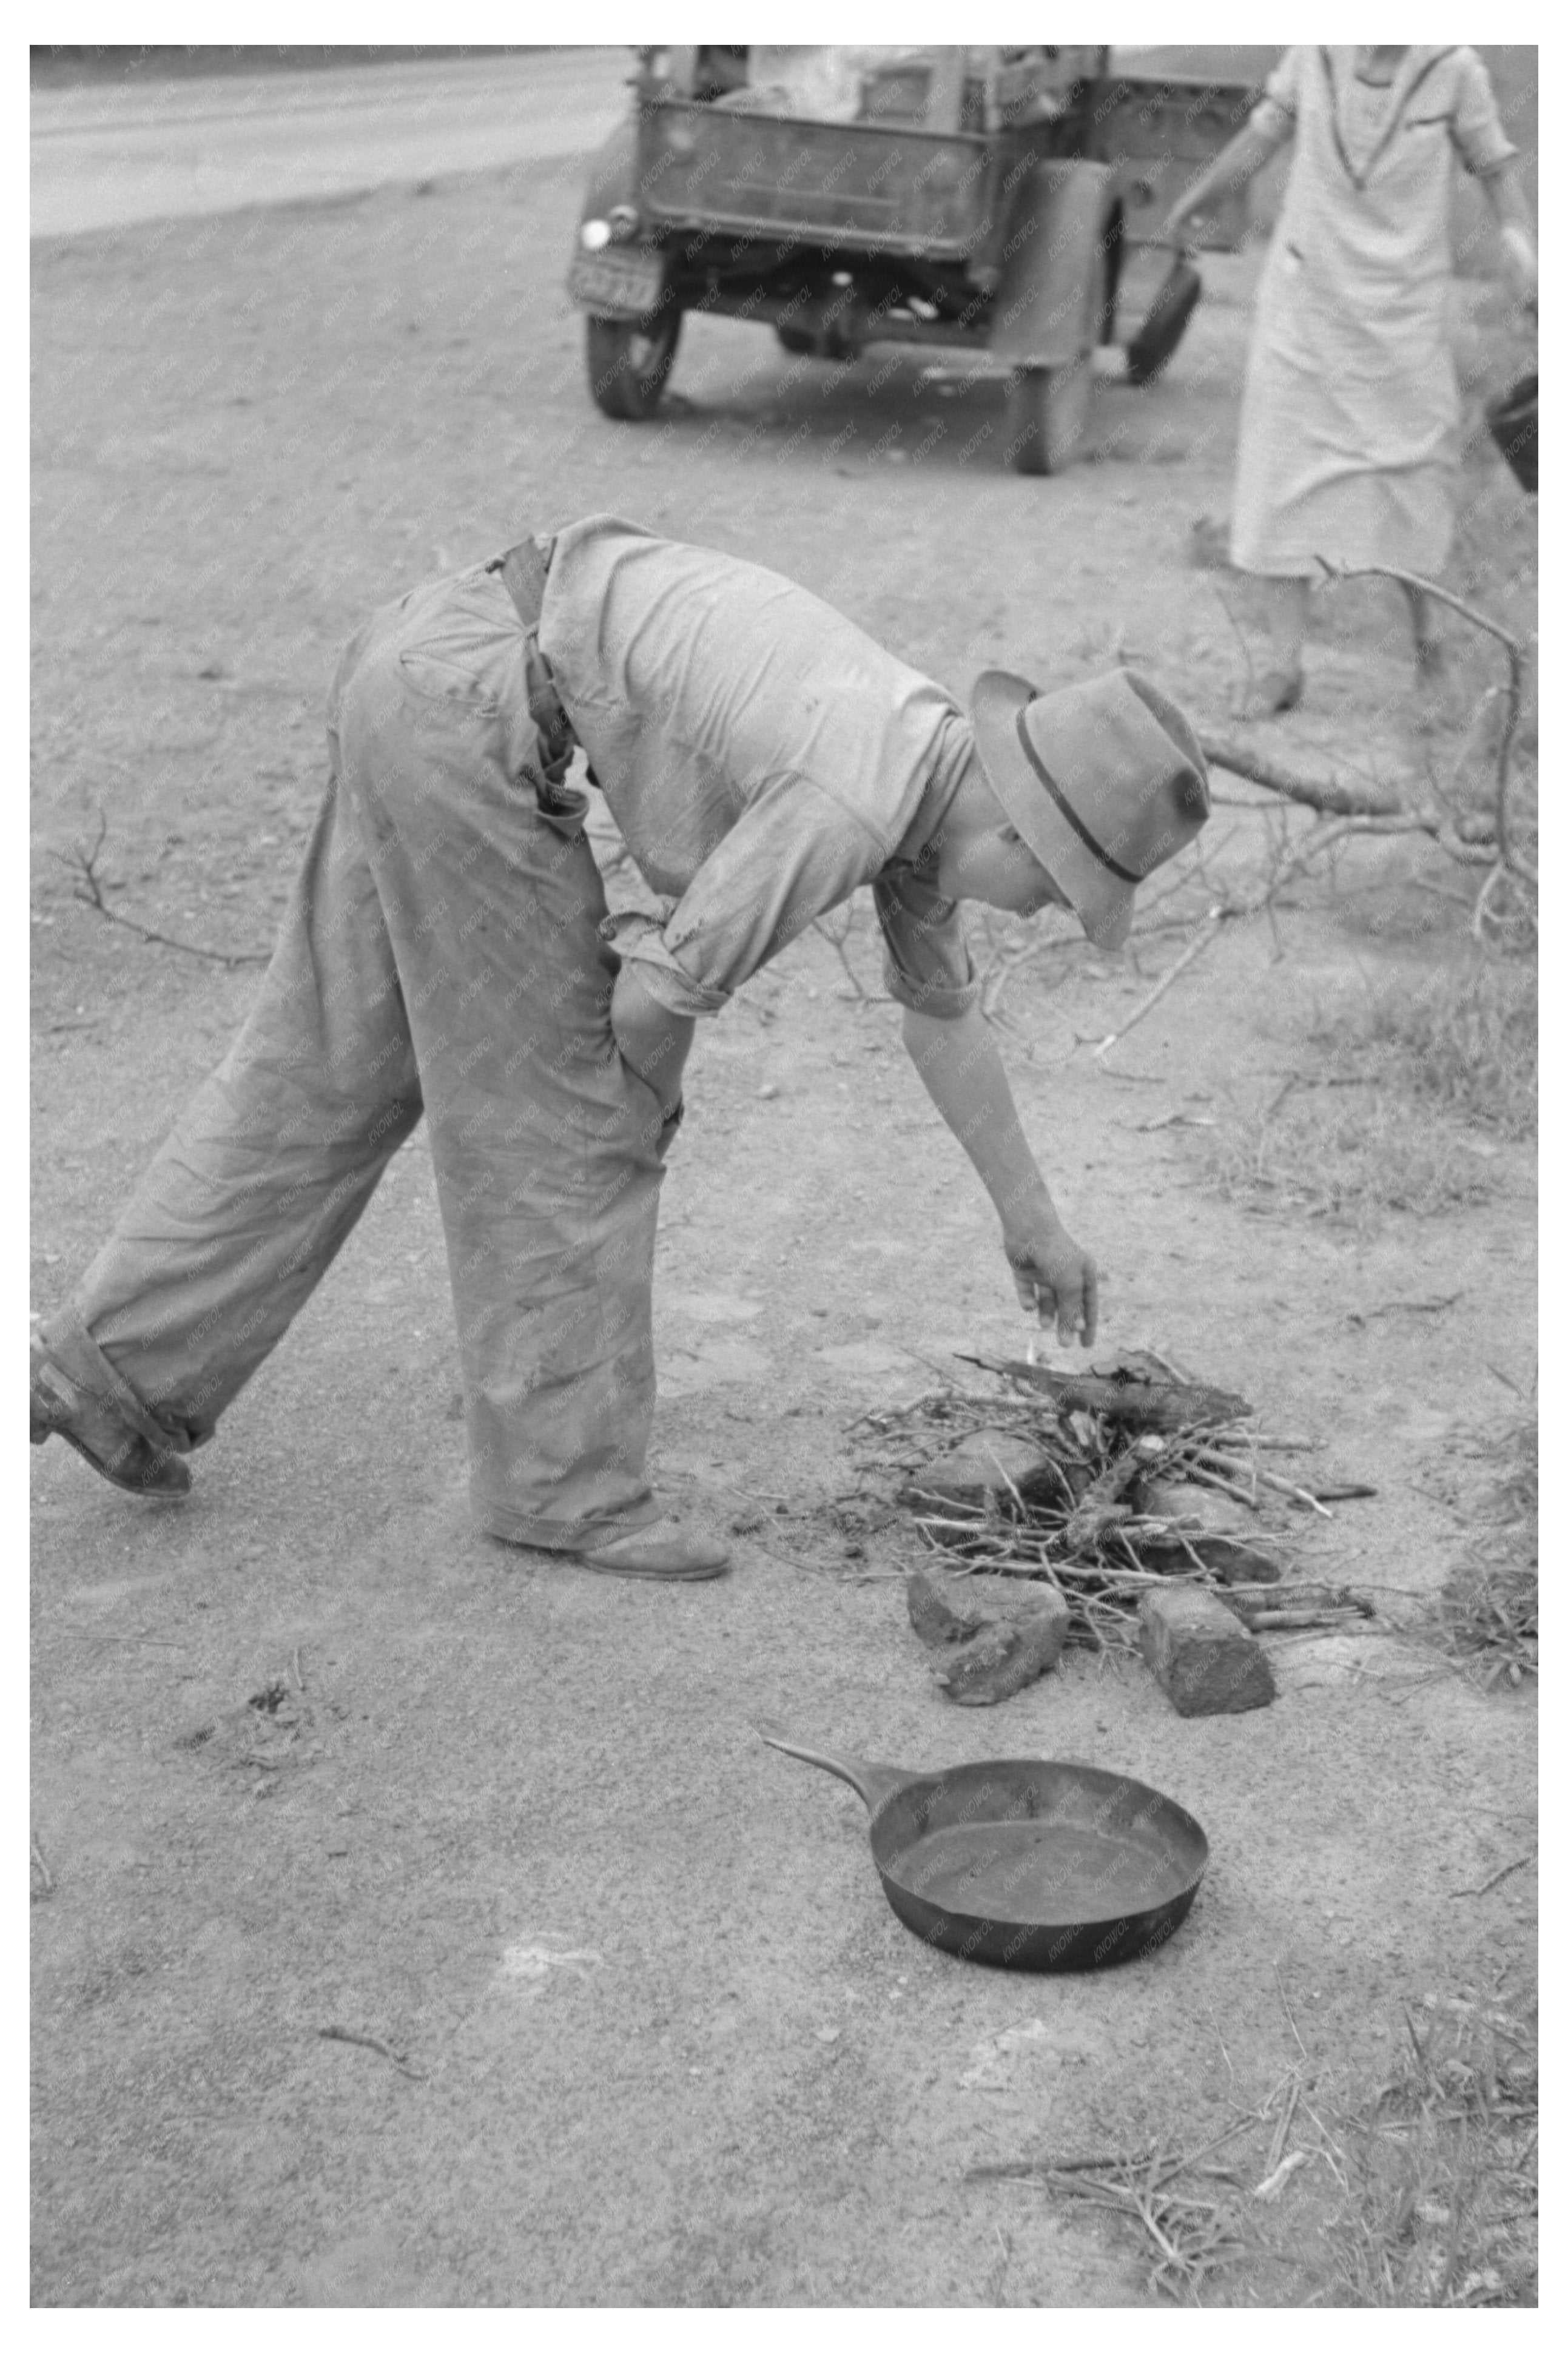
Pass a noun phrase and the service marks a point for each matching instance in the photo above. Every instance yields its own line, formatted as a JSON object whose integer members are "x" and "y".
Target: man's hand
{"x": 963, "y": 1075}
{"x": 654, "y": 1041}
{"x": 1055, "y": 1278}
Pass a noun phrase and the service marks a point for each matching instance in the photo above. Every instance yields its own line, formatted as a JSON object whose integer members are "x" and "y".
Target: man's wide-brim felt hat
{"x": 1104, "y": 781}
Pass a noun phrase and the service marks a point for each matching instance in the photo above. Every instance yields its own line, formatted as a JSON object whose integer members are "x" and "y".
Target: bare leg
{"x": 1279, "y": 688}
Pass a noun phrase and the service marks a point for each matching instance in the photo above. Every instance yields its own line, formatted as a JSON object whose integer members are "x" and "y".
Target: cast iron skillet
{"x": 1515, "y": 428}
{"x": 1025, "y": 1863}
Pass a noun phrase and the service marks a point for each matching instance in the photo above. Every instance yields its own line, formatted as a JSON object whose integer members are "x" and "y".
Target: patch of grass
{"x": 1467, "y": 1041}
{"x": 1188, "y": 2239}
{"x": 1373, "y": 1125}
{"x": 1489, "y": 1606}
{"x": 1442, "y": 2169}
{"x": 1490, "y": 1619}
{"x": 1421, "y": 2193}
{"x": 1348, "y": 1162}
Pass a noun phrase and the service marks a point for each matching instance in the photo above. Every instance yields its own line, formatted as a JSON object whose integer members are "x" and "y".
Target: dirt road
{"x": 104, "y": 155}
{"x": 311, "y": 1758}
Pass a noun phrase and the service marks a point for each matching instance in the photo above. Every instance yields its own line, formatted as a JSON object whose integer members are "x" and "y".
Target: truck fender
{"x": 612, "y": 175}
{"x": 1060, "y": 219}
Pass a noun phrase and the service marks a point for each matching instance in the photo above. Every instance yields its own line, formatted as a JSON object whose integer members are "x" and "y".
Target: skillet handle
{"x": 874, "y": 1783}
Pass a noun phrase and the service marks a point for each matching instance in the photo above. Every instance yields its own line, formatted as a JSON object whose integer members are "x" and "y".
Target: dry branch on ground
{"x": 88, "y": 887}
{"x": 1504, "y": 905}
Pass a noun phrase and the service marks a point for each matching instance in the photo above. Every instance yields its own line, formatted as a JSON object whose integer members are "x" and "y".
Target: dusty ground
{"x": 667, "y": 2042}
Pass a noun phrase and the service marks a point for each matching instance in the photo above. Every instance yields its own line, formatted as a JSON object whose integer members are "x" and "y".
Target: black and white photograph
{"x": 782, "y": 1357}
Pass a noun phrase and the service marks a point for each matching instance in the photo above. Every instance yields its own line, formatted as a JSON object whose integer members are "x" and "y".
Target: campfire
{"x": 1107, "y": 1488}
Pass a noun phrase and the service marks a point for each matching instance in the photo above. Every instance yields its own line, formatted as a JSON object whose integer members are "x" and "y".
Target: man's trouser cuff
{"x": 79, "y": 1358}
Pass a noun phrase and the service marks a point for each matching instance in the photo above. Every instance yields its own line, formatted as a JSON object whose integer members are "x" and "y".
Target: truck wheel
{"x": 1115, "y": 254}
{"x": 1047, "y": 408}
{"x": 628, "y": 360}
{"x": 795, "y": 341}
{"x": 1047, "y": 415}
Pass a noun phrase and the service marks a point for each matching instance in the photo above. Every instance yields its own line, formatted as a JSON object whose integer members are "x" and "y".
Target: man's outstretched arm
{"x": 963, "y": 1075}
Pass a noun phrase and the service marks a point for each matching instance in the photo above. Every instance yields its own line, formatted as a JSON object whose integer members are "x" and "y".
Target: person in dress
{"x": 1349, "y": 440}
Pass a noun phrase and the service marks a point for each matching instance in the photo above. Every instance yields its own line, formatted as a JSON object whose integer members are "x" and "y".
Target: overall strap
{"x": 524, "y": 570}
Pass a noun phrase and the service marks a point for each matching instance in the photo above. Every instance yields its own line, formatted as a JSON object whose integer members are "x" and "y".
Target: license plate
{"x": 617, "y": 285}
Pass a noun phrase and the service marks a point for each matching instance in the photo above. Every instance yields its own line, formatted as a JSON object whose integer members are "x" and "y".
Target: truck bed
{"x": 877, "y": 187}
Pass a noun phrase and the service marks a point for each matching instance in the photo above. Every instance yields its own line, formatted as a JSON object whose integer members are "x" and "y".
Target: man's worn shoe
{"x": 662, "y": 1551}
{"x": 58, "y": 1407}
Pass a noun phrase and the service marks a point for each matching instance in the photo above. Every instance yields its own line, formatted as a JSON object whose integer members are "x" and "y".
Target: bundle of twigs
{"x": 1086, "y": 1518}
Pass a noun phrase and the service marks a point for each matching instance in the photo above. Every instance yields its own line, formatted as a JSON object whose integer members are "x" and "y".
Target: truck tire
{"x": 795, "y": 341}
{"x": 1048, "y": 413}
{"x": 1115, "y": 254}
{"x": 628, "y": 362}
{"x": 1047, "y": 408}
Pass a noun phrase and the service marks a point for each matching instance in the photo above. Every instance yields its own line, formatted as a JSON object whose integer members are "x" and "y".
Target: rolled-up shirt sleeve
{"x": 638, "y": 939}
{"x": 1475, "y": 126}
{"x": 1275, "y": 114}
{"x": 795, "y": 853}
{"x": 927, "y": 964}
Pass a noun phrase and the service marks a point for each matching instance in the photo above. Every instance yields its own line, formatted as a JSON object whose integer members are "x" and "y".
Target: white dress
{"x": 1349, "y": 438}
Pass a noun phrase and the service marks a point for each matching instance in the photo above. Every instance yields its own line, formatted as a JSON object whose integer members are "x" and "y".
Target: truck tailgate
{"x": 872, "y": 186}
{"x": 1166, "y": 131}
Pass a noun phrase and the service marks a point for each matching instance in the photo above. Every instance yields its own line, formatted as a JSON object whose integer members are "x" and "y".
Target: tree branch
{"x": 1285, "y": 870}
{"x": 1513, "y": 703}
{"x": 1324, "y": 794}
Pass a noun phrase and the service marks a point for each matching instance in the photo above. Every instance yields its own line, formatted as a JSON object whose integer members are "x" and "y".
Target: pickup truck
{"x": 977, "y": 200}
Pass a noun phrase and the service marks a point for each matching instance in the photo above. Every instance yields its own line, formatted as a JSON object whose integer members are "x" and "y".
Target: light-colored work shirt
{"x": 763, "y": 758}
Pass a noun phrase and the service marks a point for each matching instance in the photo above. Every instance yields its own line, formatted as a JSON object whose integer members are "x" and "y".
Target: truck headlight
{"x": 594, "y": 235}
